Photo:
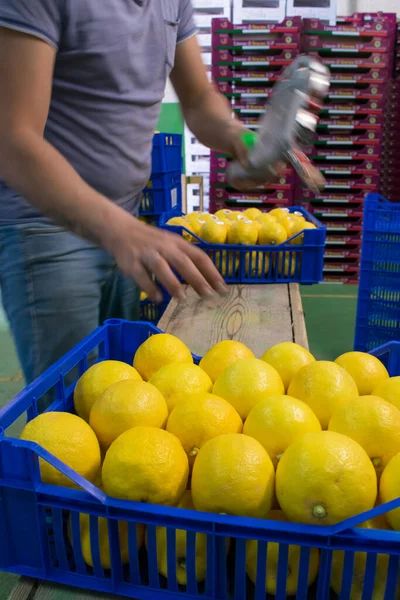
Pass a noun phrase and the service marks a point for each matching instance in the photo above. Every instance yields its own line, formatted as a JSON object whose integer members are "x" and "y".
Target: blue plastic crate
{"x": 35, "y": 518}
{"x": 286, "y": 263}
{"x": 162, "y": 194}
{"x": 378, "y": 314}
{"x": 166, "y": 155}
{"x": 151, "y": 311}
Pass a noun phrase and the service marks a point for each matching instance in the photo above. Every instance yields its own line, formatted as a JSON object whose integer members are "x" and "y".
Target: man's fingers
{"x": 141, "y": 276}
{"x": 190, "y": 273}
{"x": 157, "y": 264}
{"x": 207, "y": 268}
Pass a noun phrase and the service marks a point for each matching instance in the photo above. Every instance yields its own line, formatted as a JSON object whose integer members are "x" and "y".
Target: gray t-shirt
{"x": 113, "y": 60}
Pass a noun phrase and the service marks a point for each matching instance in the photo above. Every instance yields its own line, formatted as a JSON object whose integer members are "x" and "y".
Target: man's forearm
{"x": 44, "y": 177}
{"x": 210, "y": 119}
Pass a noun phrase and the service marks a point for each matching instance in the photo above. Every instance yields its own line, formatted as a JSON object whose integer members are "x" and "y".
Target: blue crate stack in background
{"x": 378, "y": 314}
{"x": 163, "y": 194}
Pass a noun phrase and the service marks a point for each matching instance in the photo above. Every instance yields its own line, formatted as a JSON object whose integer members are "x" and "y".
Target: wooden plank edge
{"x": 25, "y": 589}
{"x": 297, "y": 315}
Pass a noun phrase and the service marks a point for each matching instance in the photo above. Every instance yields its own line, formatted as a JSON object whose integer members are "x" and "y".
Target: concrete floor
{"x": 330, "y": 316}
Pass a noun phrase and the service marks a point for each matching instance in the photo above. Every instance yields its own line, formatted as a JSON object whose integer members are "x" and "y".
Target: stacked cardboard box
{"x": 247, "y": 60}
{"x": 359, "y": 51}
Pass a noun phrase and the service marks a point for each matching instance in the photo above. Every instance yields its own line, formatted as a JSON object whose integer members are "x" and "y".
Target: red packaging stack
{"x": 390, "y": 172}
{"x": 359, "y": 51}
{"x": 247, "y": 60}
{"x": 397, "y": 58}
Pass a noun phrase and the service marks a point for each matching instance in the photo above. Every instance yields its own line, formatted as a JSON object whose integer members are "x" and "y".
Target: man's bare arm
{"x": 206, "y": 111}
{"x": 33, "y": 167}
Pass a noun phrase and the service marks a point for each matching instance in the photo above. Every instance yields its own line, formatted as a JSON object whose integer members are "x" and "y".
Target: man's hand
{"x": 142, "y": 251}
{"x": 240, "y": 153}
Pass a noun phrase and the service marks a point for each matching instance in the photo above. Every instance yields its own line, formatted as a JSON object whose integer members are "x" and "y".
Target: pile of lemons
{"x": 246, "y": 228}
{"x": 282, "y": 437}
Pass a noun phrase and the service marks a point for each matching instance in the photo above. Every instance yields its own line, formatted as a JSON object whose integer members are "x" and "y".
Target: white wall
{"x": 347, "y": 7}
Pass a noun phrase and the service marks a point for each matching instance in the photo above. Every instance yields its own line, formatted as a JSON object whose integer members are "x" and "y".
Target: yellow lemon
{"x": 366, "y": 370}
{"x": 289, "y": 224}
{"x": 360, "y": 570}
{"x": 235, "y": 215}
{"x": 225, "y": 218}
{"x": 265, "y": 218}
{"x": 181, "y": 222}
{"x": 374, "y": 424}
{"x": 206, "y": 217}
{"x": 293, "y": 565}
{"x": 298, "y": 216}
{"x": 287, "y": 358}
{"x": 124, "y": 405}
{"x": 389, "y": 389}
{"x": 389, "y": 489}
{"x": 252, "y": 213}
{"x": 301, "y": 226}
{"x": 104, "y": 542}
{"x": 285, "y": 264}
{"x": 180, "y": 378}
{"x": 186, "y": 503}
{"x": 195, "y": 222}
{"x": 247, "y": 382}
{"x": 278, "y": 421}
{"x": 197, "y": 419}
{"x": 243, "y": 232}
{"x": 272, "y": 234}
{"x": 159, "y": 350}
{"x": 214, "y": 232}
{"x": 324, "y": 386}
{"x": 223, "y": 355}
{"x": 224, "y": 213}
{"x": 96, "y": 380}
{"x": 279, "y": 212}
{"x": 181, "y": 548}
{"x": 71, "y": 440}
{"x": 146, "y": 464}
{"x": 256, "y": 264}
{"x": 226, "y": 262}
{"x": 323, "y": 478}
{"x": 233, "y": 475}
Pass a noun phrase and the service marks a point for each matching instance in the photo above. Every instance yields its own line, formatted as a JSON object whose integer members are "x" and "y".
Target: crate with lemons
{"x": 278, "y": 468}
{"x": 282, "y": 245}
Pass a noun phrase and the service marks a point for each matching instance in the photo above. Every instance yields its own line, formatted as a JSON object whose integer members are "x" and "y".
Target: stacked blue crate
{"x": 163, "y": 193}
{"x": 378, "y": 314}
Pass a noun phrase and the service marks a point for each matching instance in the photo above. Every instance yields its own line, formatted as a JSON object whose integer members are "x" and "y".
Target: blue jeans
{"x": 56, "y": 289}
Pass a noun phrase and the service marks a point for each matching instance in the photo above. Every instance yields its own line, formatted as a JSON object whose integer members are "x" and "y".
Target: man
{"x": 81, "y": 87}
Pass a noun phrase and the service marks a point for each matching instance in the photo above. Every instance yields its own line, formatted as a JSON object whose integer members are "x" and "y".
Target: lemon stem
{"x": 182, "y": 563}
{"x": 319, "y": 511}
{"x": 279, "y": 456}
{"x": 194, "y": 451}
{"x": 376, "y": 462}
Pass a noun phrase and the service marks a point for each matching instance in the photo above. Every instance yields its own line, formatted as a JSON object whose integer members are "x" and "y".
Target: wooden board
{"x": 259, "y": 316}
